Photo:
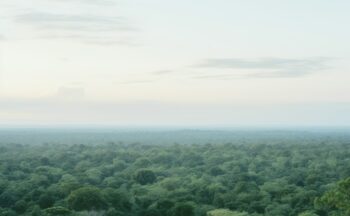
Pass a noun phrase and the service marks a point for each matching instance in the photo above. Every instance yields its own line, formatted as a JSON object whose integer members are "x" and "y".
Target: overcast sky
{"x": 156, "y": 62}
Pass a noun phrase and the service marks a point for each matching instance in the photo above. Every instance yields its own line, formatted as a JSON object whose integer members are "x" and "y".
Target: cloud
{"x": 94, "y": 2}
{"x": 153, "y": 77}
{"x": 76, "y": 22}
{"x": 88, "y": 28}
{"x": 72, "y": 92}
{"x": 136, "y": 82}
{"x": 94, "y": 40}
{"x": 103, "y": 41}
{"x": 162, "y": 72}
{"x": 263, "y": 67}
{"x": 216, "y": 76}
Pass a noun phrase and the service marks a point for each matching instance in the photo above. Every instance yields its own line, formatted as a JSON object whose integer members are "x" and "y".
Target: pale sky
{"x": 156, "y": 62}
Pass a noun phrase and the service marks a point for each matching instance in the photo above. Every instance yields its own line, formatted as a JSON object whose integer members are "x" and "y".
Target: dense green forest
{"x": 179, "y": 173}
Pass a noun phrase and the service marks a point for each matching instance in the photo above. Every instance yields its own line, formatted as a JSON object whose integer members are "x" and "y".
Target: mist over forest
{"x": 174, "y": 108}
{"x": 166, "y": 135}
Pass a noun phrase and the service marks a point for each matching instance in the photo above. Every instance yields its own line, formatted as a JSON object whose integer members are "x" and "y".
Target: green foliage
{"x": 226, "y": 212}
{"x": 20, "y": 206}
{"x": 337, "y": 198}
{"x": 117, "y": 199}
{"x": 183, "y": 209}
{"x": 46, "y": 200}
{"x": 142, "y": 162}
{"x": 114, "y": 212}
{"x": 307, "y": 213}
{"x": 7, "y": 212}
{"x": 255, "y": 175}
{"x": 150, "y": 212}
{"x": 36, "y": 211}
{"x": 86, "y": 198}
{"x": 57, "y": 211}
{"x": 145, "y": 177}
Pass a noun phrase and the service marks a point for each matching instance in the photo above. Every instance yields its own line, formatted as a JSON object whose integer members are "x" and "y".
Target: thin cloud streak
{"x": 162, "y": 72}
{"x": 237, "y": 68}
{"x": 216, "y": 76}
{"x": 90, "y": 29}
{"x": 73, "y": 22}
{"x": 269, "y": 67}
{"x": 93, "y": 2}
{"x": 136, "y": 82}
{"x": 111, "y": 41}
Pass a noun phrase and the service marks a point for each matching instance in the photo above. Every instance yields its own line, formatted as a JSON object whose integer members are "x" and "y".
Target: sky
{"x": 136, "y": 62}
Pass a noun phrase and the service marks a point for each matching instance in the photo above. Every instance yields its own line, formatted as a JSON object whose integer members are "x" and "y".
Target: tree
{"x": 145, "y": 177}
{"x": 307, "y": 213}
{"x": 36, "y": 211}
{"x": 7, "y": 199}
{"x": 183, "y": 209}
{"x": 57, "y": 211}
{"x": 338, "y": 197}
{"x": 7, "y": 212}
{"x": 150, "y": 212}
{"x": 68, "y": 183}
{"x": 114, "y": 212}
{"x": 225, "y": 212}
{"x": 46, "y": 200}
{"x": 164, "y": 206}
{"x": 86, "y": 198}
{"x": 216, "y": 171}
{"x": 142, "y": 162}
{"x": 117, "y": 199}
{"x": 20, "y": 206}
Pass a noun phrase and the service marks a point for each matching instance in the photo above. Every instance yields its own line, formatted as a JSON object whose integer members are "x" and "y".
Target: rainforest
{"x": 174, "y": 173}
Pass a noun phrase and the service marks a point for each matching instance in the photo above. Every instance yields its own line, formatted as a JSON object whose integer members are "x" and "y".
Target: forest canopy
{"x": 301, "y": 175}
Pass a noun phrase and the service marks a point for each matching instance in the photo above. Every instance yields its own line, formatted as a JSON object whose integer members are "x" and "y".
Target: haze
{"x": 175, "y": 62}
